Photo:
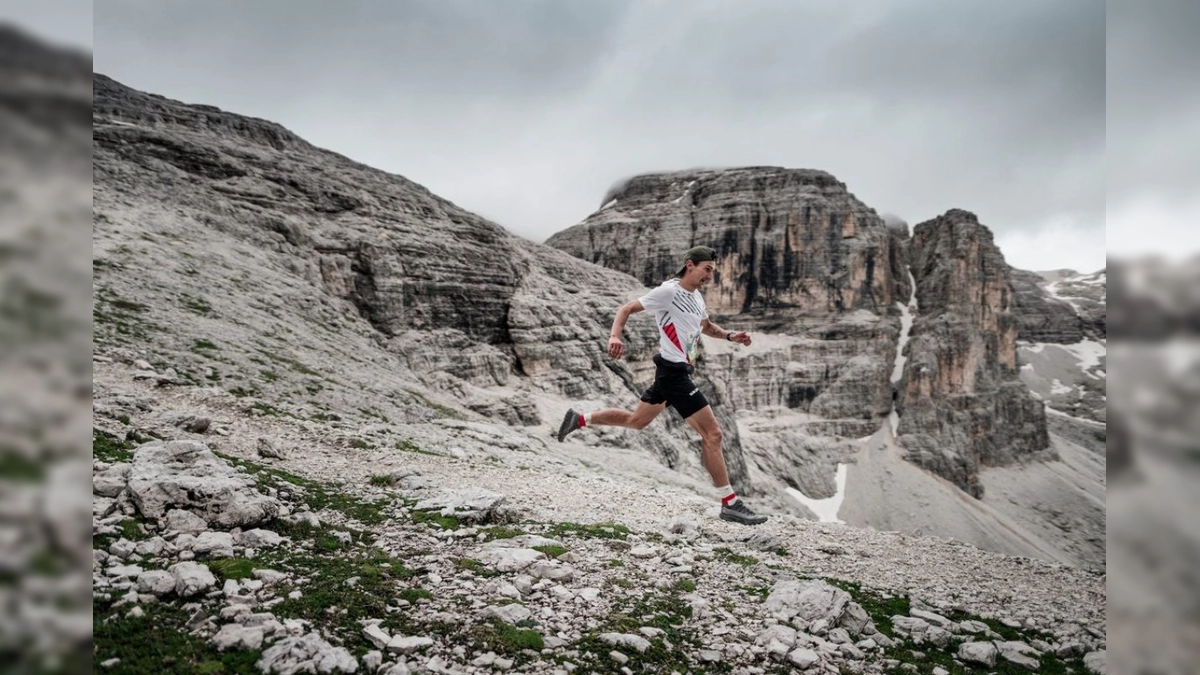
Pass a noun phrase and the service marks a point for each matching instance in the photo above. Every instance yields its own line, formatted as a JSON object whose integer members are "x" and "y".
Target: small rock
{"x": 259, "y": 538}
{"x": 1096, "y": 662}
{"x": 983, "y": 653}
{"x": 192, "y": 578}
{"x": 930, "y": 617}
{"x": 266, "y": 449}
{"x": 511, "y": 613}
{"x": 306, "y": 653}
{"x": 237, "y": 636}
{"x": 552, "y": 569}
{"x": 376, "y": 636}
{"x": 372, "y": 660}
{"x": 404, "y": 644}
{"x": 803, "y": 658}
{"x": 639, "y": 643}
{"x": 156, "y": 582}
{"x": 187, "y": 522}
{"x": 214, "y": 544}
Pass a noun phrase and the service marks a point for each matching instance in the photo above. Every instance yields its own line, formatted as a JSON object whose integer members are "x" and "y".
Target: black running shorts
{"x": 673, "y": 384}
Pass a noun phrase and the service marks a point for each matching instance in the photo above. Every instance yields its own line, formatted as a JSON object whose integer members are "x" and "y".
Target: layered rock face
{"x": 788, "y": 239}
{"x": 1040, "y": 316}
{"x": 961, "y": 404}
{"x": 273, "y": 256}
{"x": 799, "y": 256}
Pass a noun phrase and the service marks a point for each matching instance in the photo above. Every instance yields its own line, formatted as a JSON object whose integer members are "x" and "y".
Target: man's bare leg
{"x": 638, "y": 419}
{"x": 705, "y": 422}
{"x": 732, "y": 508}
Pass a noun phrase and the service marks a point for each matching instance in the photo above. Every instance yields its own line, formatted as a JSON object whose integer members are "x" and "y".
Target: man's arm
{"x": 713, "y": 330}
{"x": 615, "y": 346}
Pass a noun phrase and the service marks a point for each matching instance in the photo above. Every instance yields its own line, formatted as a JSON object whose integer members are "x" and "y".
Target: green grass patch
{"x": 268, "y": 409}
{"x": 600, "y": 531}
{"x": 325, "y": 593}
{"x": 879, "y": 606}
{"x": 374, "y": 414}
{"x": 409, "y": 446}
{"x": 108, "y": 448}
{"x": 381, "y": 479}
{"x": 231, "y": 568}
{"x": 504, "y": 638}
{"x": 18, "y": 468}
{"x": 616, "y": 562}
{"x": 477, "y": 568}
{"x": 360, "y": 444}
{"x": 316, "y": 495}
{"x": 735, "y": 558}
{"x": 158, "y": 642}
{"x": 684, "y": 585}
{"x": 289, "y": 362}
{"x": 198, "y": 306}
{"x": 551, "y": 550}
{"x": 121, "y": 319}
{"x": 201, "y": 345}
{"x": 671, "y": 650}
{"x": 501, "y": 532}
{"x": 414, "y": 594}
{"x": 435, "y": 518}
{"x": 760, "y": 592}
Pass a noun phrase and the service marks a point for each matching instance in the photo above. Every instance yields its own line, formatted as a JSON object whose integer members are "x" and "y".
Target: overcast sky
{"x": 527, "y": 111}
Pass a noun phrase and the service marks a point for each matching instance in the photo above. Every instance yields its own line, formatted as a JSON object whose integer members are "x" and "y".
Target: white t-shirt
{"x": 679, "y": 313}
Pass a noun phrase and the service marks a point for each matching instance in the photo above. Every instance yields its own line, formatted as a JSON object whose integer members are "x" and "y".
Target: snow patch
{"x": 1088, "y": 352}
{"x": 907, "y": 313}
{"x": 826, "y": 509}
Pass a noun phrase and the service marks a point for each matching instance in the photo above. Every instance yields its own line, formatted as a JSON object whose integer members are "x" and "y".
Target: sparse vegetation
{"x": 735, "y": 557}
{"x": 551, "y": 550}
{"x": 201, "y": 346}
{"x": 600, "y": 531}
{"x": 409, "y": 446}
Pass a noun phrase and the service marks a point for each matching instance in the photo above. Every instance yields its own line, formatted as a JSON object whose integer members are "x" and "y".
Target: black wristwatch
{"x": 729, "y": 335}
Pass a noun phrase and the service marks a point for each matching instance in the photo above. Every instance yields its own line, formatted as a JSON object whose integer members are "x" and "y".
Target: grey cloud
{"x": 527, "y": 111}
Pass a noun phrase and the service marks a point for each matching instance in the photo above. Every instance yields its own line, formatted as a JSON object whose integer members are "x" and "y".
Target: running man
{"x": 680, "y": 312}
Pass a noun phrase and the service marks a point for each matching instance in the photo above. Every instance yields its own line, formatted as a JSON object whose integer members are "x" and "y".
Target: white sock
{"x": 587, "y": 418}
{"x": 728, "y": 496}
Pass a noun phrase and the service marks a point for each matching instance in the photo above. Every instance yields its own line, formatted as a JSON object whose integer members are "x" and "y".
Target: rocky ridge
{"x": 301, "y": 554}
{"x": 961, "y": 405}
{"x": 322, "y": 260}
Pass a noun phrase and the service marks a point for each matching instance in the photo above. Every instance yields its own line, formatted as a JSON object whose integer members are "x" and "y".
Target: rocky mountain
{"x": 323, "y": 400}
{"x": 45, "y": 195}
{"x": 804, "y": 260}
{"x": 275, "y": 257}
{"x": 1063, "y": 343}
{"x": 961, "y": 405}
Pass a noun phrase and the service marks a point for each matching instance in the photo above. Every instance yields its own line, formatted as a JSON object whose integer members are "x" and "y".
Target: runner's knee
{"x": 713, "y": 436}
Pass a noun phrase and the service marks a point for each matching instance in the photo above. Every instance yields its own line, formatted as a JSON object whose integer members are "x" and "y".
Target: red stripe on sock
{"x": 726, "y": 501}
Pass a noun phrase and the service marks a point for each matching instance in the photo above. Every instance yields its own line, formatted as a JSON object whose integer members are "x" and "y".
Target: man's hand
{"x": 742, "y": 338}
{"x": 615, "y": 347}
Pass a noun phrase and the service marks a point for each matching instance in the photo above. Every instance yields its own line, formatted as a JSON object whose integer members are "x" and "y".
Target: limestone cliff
{"x": 799, "y": 256}
{"x": 961, "y": 404}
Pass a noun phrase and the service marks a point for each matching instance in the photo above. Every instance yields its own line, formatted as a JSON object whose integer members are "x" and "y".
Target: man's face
{"x": 702, "y": 273}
